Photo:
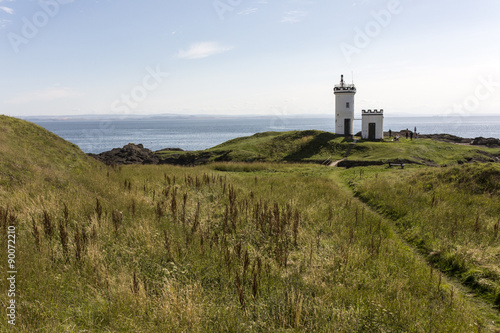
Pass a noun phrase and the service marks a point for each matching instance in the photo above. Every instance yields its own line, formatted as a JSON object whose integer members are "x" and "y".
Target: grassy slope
{"x": 224, "y": 247}
{"x": 28, "y": 151}
{"x": 318, "y": 146}
{"x": 451, "y": 215}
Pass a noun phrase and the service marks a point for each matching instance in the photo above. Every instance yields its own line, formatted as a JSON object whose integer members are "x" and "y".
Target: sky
{"x": 248, "y": 57}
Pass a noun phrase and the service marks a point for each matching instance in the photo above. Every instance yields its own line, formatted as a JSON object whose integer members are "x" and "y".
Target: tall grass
{"x": 451, "y": 215}
{"x": 244, "y": 251}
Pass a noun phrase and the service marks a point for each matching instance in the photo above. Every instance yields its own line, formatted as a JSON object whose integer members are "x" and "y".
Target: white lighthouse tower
{"x": 344, "y": 107}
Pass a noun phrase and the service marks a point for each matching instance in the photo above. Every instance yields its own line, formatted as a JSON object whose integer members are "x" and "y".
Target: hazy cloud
{"x": 7, "y": 10}
{"x": 293, "y": 16}
{"x": 248, "y": 11}
{"x": 202, "y": 50}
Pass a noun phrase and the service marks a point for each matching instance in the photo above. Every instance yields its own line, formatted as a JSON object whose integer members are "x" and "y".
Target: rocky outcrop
{"x": 137, "y": 154}
{"x": 446, "y": 138}
{"x": 129, "y": 154}
{"x": 489, "y": 142}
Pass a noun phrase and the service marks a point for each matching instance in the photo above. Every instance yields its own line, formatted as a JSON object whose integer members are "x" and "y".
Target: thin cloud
{"x": 202, "y": 50}
{"x": 293, "y": 16}
{"x": 248, "y": 11}
{"x": 45, "y": 95}
{"x": 7, "y": 10}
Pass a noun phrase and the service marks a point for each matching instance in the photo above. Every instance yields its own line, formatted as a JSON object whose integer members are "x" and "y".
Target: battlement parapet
{"x": 373, "y": 112}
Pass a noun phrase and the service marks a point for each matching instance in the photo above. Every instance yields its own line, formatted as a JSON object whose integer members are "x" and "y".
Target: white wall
{"x": 372, "y": 116}
{"x": 342, "y": 112}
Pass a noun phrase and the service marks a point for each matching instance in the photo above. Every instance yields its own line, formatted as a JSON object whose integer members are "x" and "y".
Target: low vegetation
{"x": 262, "y": 247}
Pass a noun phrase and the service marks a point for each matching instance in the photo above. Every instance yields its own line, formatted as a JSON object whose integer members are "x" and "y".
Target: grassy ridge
{"x": 223, "y": 247}
{"x": 318, "y": 146}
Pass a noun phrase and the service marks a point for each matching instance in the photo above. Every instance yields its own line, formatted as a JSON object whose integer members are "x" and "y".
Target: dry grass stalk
{"x": 135, "y": 284}
{"x": 36, "y": 234}
{"x": 63, "y": 236}
{"x": 173, "y": 204}
{"x": 255, "y": 285}
{"x": 65, "y": 213}
{"x": 246, "y": 263}
{"x": 159, "y": 210}
{"x": 196, "y": 222}
{"x": 47, "y": 224}
{"x": 98, "y": 209}
{"x": 184, "y": 202}
{"x": 241, "y": 294}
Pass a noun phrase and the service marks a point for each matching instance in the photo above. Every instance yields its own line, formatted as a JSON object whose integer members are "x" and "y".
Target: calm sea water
{"x": 196, "y": 133}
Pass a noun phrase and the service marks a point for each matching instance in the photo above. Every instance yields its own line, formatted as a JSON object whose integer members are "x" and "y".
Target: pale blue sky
{"x": 237, "y": 57}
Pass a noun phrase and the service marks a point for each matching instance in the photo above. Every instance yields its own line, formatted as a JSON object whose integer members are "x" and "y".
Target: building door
{"x": 347, "y": 127}
{"x": 371, "y": 131}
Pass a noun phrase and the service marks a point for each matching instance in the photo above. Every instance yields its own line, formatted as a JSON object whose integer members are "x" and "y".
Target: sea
{"x": 99, "y": 134}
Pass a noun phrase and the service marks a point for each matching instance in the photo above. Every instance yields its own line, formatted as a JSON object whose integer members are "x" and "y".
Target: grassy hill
{"x": 224, "y": 247}
{"x": 28, "y": 151}
{"x": 318, "y": 146}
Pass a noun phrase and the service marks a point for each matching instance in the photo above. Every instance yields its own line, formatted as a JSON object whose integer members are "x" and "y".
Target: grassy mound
{"x": 294, "y": 146}
{"x": 28, "y": 151}
{"x": 477, "y": 178}
{"x": 318, "y": 146}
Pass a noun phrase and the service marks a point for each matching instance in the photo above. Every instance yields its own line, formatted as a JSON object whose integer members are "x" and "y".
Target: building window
{"x": 347, "y": 105}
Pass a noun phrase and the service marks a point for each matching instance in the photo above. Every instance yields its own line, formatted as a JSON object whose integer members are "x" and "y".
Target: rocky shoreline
{"x": 137, "y": 154}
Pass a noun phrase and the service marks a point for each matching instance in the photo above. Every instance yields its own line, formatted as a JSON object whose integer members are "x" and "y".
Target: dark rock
{"x": 489, "y": 142}
{"x": 446, "y": 138}
{"x": 129, "y": 154}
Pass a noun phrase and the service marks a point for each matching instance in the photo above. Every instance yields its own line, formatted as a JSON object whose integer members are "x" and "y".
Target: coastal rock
{"x": 446, "y": 138}
{"x": 129, "y": 154}
{"x": 137, "y": 154}
{"x": 489, "y": 142}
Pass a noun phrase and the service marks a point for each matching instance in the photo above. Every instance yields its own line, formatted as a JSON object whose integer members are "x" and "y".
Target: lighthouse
{"x": 344, "y": 107}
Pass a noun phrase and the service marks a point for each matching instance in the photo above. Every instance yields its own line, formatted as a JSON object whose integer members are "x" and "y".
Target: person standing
{"x": 390, "y": 133}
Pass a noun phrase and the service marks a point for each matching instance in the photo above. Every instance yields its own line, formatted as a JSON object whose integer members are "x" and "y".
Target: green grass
{"x": 422, "y": 151}
{"x": 451, "y": 215}
{"x": 226, "y": 247}
{"x": 318, "y": 146}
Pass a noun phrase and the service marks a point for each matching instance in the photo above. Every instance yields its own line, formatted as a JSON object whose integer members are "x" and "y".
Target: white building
{"x": 372, "y": 124}
{"x": 344, "y": 107}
